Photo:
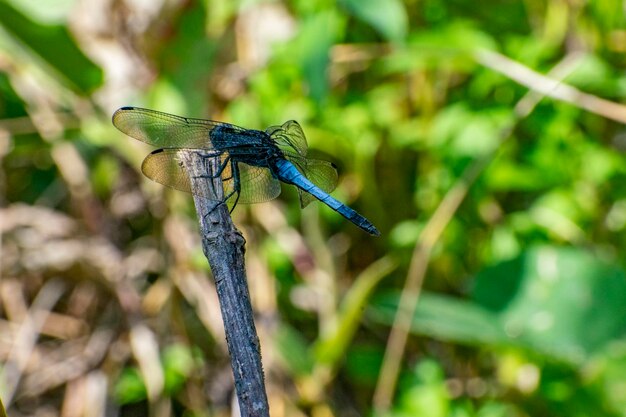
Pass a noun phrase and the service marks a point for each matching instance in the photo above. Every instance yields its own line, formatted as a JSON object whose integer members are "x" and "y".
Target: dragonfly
{"x": 250, "y": 163}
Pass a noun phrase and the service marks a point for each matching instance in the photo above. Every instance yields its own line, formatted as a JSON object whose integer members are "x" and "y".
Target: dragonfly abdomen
{"x": 288, "y": 173}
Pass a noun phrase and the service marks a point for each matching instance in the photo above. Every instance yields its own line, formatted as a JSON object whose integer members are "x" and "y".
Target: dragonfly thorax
{"x": 226, "y": 137}
{"x": 252, "y": 147}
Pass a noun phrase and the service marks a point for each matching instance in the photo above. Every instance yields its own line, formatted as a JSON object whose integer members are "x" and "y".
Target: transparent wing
{"x": 321, "y": 173}
{"x": 291, "y": 140}
{"x": 166, "y": 167}
{"x": 166, "y": 130}
{"x": 289, "y": 137}
{"x": 256, "y": 184}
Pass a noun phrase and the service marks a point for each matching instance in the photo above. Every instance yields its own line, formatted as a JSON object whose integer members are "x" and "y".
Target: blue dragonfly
{"x": 251, "y": 163}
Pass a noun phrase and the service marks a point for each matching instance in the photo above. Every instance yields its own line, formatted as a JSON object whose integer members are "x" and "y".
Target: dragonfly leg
{"x": 234, "y": 169}
{"x": 236, "y": 199}
{"x": 219, "y": 203}
{"x": 220, "y": 169}
{"x": 227, "y": 161}
{"x": 236, "y": 185}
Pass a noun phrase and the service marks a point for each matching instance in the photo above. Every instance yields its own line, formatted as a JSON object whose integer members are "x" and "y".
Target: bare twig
{"x": 441, "y": 218}
{"x": 223, "y": 246}
{"x": 548, "y": 86}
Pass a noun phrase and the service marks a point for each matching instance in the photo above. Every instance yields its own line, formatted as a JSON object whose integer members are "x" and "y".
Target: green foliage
{"x": 53, "y": 44}
{"x": 551, "y": 310}
{"x": 546, "y": 299}
{"x": 130, "y": 387}
{"x": 521, "y": 310}
{"x": 387, "y": 16}
{"x": 177, "y": 364}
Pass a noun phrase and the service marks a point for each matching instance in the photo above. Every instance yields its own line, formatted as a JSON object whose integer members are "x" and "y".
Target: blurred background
{"x": 485, "y": 140}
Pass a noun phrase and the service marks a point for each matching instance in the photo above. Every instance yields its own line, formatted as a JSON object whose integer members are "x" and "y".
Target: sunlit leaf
{"x": 130, "y": 387}
{"x": 293, "y": 350}
{"x": 446, "y": 318}
{"x": 388, "y": 17}
{"x": 331, "y": 347}
{"x": 311, "y": 48}
{"x": 548, "y": 297}
{"x": 177, "y": 365}
{"x": 543, "y": 301}
{"x": 55, "y": 45}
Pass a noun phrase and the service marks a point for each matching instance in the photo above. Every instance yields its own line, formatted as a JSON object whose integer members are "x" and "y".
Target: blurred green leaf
{"x": 600, "y": 164}
{"x": 388, "y": 17}
{"x": 178, "y": 363}
{"x": 445, "y": 318}
{"x": 187, "y": 60}
{"x": 293, "y": 350}
{"x": 311, "y": 48}
{"x": 506, "y": 175}
{"x": 405, "y": 234}
{"x": 363, "y": 362}
{"x": 11, "y": 103}
{"x": 129, "y": 387}
{"x": 331, "y": 347}
{"x": 592, "y": 74}
{"x": 606, "y": 375}
{"x": 55, "y": 45}
{"x": 105, "y": 174}
{"x": 448, "y": 47}
{"x": 462, "y": 132}
{"x": 558, "y": 212}
{"x": 425, "y": 394}
{"x": 543, "y": 301}
{"x": 547, "y": 298}
{"x": 49, "y": 11}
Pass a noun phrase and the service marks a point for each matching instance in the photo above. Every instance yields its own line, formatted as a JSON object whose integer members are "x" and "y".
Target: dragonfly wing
{"x": 166, "y": 167}
{"x": 289, "y": 137}
{"x": 166, "y": 130}
{"x": 257, "y": 184}
{"x": 321, "y": 173}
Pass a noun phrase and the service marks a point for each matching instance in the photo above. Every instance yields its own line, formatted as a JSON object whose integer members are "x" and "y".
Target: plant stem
{"x": 223, "y": 246}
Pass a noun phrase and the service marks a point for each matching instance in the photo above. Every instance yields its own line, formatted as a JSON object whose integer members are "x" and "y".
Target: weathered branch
{"x": 223, "y": 245}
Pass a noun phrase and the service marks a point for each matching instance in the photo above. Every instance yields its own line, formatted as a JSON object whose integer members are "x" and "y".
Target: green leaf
{"x": 49, "y": 11}
{"x": 187, "y": 61}
{"x": 593, "y": 74}
{"x": 461, "y": 132}
{"x": 556, "y": 302}
{"x": 130, "y": 387}
{"x": 311, "y": 49}
{"x": 427, "y": 393}
{"x": 388, "y": 17}
{"x": 293, "y": 350}
{"x": 177, "y": 366}
{"x": 363, "y": 361}
{"x": 447, "y": 48}
{"x": 445, "y": 318}
{"x": 507, "y": 175}
{"x": 559, "y": 301}
{"x": 330, "y": 348}
{"x": 55, "y": 45}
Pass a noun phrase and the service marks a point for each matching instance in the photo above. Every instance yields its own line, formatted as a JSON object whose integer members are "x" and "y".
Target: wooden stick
{"x": 223, "y": 246}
